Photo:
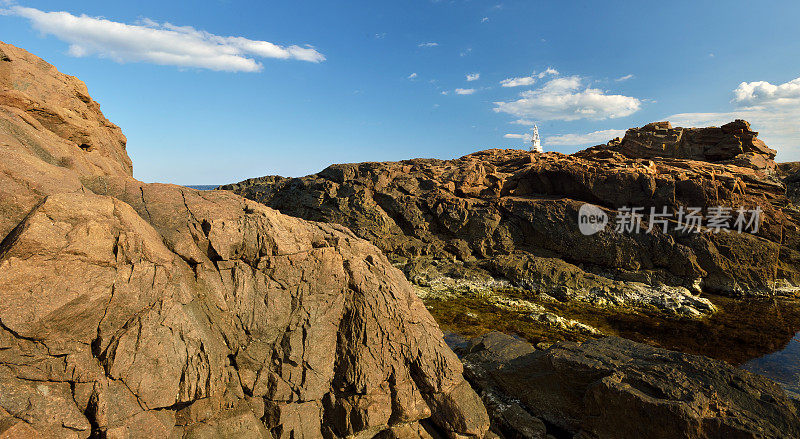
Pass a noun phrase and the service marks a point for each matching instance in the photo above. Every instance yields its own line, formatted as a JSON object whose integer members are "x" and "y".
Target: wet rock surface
{"x": 617, "y": 388}
{"x": 479, "y": 234}
{"x": 148, "y": 310}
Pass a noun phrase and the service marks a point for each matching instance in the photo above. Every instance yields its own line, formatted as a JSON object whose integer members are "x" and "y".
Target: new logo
{"x": 591, "y": 219}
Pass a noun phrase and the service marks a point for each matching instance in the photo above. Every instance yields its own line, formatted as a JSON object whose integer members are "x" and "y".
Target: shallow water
{"x": 202, "y": 187}
{"x": 754, "y": 334}
{"x": 782, "y": 366}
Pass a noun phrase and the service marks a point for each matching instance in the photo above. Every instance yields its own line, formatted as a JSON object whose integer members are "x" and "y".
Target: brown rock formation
{"x": 790, "y": 174}
{"x": 732, "y": 141}
{"x": 515, "y": 215}
{"x": 148, "y": 310}
{"x": 616, "y": 388}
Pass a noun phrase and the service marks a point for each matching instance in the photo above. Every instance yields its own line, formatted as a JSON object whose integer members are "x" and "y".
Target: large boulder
{"x": 617, "y": 388}
{"x": 728, "y": 142}
{"x": 148, "y": 310}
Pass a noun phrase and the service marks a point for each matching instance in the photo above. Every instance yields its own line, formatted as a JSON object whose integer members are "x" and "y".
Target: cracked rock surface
{"x": 149, "y": 310}
{"x": 513, "y": 215}
{"x": 617, "y": 388}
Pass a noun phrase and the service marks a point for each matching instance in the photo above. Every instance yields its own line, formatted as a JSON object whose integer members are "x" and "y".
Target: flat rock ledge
{"x": 617, "y": 388}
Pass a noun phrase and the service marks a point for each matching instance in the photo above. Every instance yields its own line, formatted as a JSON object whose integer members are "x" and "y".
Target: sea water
{"x": 782, "y": 366}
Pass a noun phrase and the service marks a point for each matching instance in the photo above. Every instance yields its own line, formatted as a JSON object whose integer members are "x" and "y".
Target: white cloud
{"x": 484, "y": 19}
{"x": 772, "y": 110}
{"x": 516, "y": 82}
{"x": 565, "y": 98}
{"x": 593, "y": 138}
{"x": 547, "y": 71}
{"x": 473, "y": 76}
{"x": 468, "y": 51}
{"x": 764, "y": 93}
{"x": 526, "y": 137}
{"x": 464, "y": 91}
{"x": 528, "y": 80}
{"x": 445, "y": 92}
{"x": 689, "y": 120}
{"x": 777, "y": 127}
{"x": 412, "y": 76}
{"x": 624, "y": 78}
{"x": 156, "y": 43}
{"x": 427, "y": 44}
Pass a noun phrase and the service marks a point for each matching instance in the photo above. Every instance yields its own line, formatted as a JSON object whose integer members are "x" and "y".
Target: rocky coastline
{"x": 498, "y": 227}
{"x": 311, "y": 307}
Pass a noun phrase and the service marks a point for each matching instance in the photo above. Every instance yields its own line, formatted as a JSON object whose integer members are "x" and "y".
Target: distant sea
{"x": 782, "y": 367}
{"x": 203, "y": 187}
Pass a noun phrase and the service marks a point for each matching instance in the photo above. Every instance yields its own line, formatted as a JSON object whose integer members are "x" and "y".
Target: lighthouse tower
{"x": 536, "y": 144}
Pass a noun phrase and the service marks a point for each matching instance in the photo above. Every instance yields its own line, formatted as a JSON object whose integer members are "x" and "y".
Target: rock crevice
{"x": 512, "y": 214}
{"x": 150, "y": 310}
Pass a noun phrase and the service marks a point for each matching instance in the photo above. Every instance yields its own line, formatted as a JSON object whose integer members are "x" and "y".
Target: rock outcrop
{"x": 513, "y": 215}
{"x": 732, "y": 143}
{"x": 132, "y": 310}
{"x": 789, "y": 173}
{"x": 617, "y": 388}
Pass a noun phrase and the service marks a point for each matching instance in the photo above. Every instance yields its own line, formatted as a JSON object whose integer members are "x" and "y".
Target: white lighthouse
{"x": 536, "y": 144}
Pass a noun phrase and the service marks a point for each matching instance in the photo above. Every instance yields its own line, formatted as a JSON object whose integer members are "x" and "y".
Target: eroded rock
{"x": 513, "y": 216}
{"x": 147, "y": 310}
{"x": 614, "y": 387}
{"x": 732, "y": 141}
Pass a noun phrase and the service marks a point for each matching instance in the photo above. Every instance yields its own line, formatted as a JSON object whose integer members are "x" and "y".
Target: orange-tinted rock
{"x": 124, "y": 304}
{"x": 660, "y": 139}
{"x": 499, "y": 210}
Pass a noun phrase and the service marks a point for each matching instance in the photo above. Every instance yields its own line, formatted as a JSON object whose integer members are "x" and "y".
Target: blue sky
{"x": 217, "y": 91}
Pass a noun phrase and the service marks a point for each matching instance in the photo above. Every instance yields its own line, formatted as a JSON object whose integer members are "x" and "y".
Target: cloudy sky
{"x": 217, "y": 91}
